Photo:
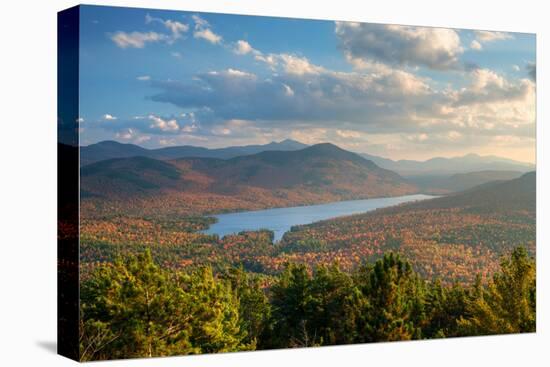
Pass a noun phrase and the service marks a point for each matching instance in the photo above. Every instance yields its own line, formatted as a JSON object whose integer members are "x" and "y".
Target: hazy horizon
{"x": 297, "y": 141}
{"x": 160, "y": 78}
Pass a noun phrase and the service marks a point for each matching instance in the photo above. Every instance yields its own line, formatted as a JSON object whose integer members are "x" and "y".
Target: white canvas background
{"x": 28, "y": 183}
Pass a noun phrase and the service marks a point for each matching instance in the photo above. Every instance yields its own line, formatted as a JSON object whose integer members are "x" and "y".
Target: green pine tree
{"x": 395, "y": 310}
{"x": 508, "y": 304}
{"x": 133, "y": 308}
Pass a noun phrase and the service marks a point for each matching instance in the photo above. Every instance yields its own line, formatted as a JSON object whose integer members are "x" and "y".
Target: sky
{"x": 162, "y": 78}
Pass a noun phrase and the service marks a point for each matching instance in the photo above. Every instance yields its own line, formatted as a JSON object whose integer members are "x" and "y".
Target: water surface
{"x": 279, "y": 220}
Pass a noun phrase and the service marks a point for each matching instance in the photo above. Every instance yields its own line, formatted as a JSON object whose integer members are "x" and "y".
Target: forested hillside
{"x": 453, "y": 237}
{"x": 317, "y": 174}
{"x": 460, "y": 181}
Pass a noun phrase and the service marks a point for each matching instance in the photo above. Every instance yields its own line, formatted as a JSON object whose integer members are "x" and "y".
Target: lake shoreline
{"x": 281, "y": 220}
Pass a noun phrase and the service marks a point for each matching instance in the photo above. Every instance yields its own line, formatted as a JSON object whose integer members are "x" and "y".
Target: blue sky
{"x": 160, "y": 78}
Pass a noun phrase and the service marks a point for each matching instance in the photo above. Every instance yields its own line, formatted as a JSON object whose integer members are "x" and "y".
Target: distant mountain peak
{"x": 111, "y": 142}
{"x": 327, "y": 145}
{"x": 471, "y": 162}
{"x": 112, "y": 149}
{"x": 330, "y": 150}
{"x": 288, "y": 143}
{"x": 288, "y": 140}
{"x": 327, "y": 148}
{"x": 473, "y": 155}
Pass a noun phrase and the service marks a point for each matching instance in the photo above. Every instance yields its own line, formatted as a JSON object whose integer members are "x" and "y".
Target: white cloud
{"x": 298, "y": 65}
{"x": 154, "y": 124}
{"x": 199, "y": 22}
{"x": 288, "y": 91}
{"x": 369, "y": 44}
{"x": 163, "y": 125}
{"x": 486, "y": 86}
{"x": 243, "y": 48}
{"x": 143, "y": 78}
{"x": 270, "y": 60}
{"x": 176, "y": 54}
{"x": 506, "y": 139}
{"x": 167, "y": 142}
{"x": 489, "y": 36}
{"x": 388, "y": 101}
{"x": 208, "y": 35}
{"x": 220, "y": 130}
{"x": 454, "y": 135}
{"x": 310, "y": 135}
{"x": 140, "y": 39}
{"x": 291, "y": 64}
{"x": 108, "y": 117}
{"x": 203, "y": 31}
{"x": 490, "y": 104}
{"x": 142, "y": 139}
{"x": 189, "y": 128}
{"x": 136, "y": 39}
{"x": 418, "y": 137}
{"x": 237, "y": 104}
{"x": 239, "y": 73}
{"x": 483, "y": 37}
{"x": 127, "y": 134}
{"x": 176, "y": 28}
{"x": 475, "y": 45}
{"x": 317, "y": 94}
{"x": 348, "y": 134}
{"x": 303, "y": 100}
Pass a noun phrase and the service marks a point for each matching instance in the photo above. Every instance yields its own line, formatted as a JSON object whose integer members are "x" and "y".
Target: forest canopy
{"x": 135, "y": 308}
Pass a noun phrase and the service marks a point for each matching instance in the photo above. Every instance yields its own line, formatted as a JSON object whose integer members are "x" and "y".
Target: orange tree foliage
{"x": 451, "y": 244}
{"x": 454, "y": 244}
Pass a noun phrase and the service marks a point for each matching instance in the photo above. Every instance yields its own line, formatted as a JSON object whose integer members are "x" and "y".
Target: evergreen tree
{"x": 133, "y": 308}
{"x": 444, "y": 307}
{"x": 317, "y": 309}
{"x": 146, "y": 312}
{"x": 290, "y": 299}
{"x": 213, "y": 311}
{"x": 508, "y": 304}
{"x": 335, "y": 305}
{"x": 396, "y": 295}
{"x": 254, "y": 306}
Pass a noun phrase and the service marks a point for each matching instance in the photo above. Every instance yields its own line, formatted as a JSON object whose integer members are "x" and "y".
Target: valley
{"x": 320, "y": 239}
{"x": 130, "y": 204}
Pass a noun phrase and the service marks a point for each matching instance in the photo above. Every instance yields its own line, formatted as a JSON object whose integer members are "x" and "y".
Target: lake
{"x": 279, "y": 220}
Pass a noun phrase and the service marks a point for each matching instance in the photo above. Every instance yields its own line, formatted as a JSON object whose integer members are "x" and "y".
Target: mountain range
{"x": 111, "y": 149}
{"x": 440, "y": 166}
{"x": 318, "y": 173}
{"x": 444, "y": 184}
{"x": 437, "y": 166}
